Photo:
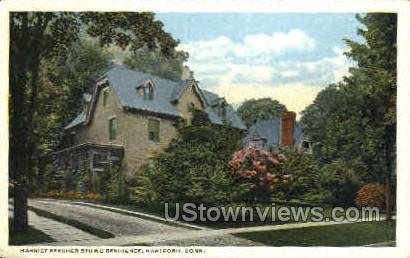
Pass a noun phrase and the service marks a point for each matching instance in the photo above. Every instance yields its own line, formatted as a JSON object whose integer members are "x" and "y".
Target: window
{"x": 150, "y": 92}
{"x": 306, "y": 145}
{"x": 105, "y": 97}
{"x": 146, "y": 90}
{"x": 191, "y": 106}
{"x": 153, "y": 130}
{"x": 99, "y": 161}
{"x": 222, "y": 110}
{"x": 113, "y": 128}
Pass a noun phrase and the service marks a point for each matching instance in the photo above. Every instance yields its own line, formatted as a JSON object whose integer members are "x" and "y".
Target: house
{"x": 131, "y": 116}
{"x": 283, "y": 130}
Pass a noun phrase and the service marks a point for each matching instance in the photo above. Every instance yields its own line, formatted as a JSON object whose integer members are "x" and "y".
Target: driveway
{"x": 113, "y": 222}
{"x": 128, "y": 229}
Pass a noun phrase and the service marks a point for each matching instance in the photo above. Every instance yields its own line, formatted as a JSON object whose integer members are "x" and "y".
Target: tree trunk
{"x": 388, "y": 199}
{"x": 18, "y": 136}
{"x": 390, "y": 156}
{"x": 20, "y": 220}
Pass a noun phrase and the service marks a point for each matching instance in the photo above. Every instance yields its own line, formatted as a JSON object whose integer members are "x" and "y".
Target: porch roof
{"x": 89, "y": 145}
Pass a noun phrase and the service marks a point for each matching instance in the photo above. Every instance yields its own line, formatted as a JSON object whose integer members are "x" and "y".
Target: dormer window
{"x": 222, "y": 110}
{"x": 146, "y": 90}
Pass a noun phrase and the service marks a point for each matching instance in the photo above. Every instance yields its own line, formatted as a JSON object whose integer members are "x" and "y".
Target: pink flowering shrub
{"x": 260, "y": 168}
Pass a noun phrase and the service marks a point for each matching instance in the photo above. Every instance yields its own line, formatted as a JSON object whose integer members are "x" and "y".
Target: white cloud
{"x": 277, "y": 43}
{"x": 223, "y": 48}
{"x": 288, "y": 73}
{"x": 256, "y": 67}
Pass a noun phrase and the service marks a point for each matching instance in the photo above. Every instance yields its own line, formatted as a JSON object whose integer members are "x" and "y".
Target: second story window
{"x": 149, "y": 92}
{"x": 112, "y": 128}
{"x": 105, "y": 97}
{"x": 153, "y": 130}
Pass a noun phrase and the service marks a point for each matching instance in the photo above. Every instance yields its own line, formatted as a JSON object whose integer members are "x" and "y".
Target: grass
{"x": 75, "y": 223}
{"x": 31, "y": 236}
{"x": 356, "y": 234}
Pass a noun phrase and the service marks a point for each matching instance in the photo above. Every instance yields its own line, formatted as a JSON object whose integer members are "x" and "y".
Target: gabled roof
{"x": 233, "y": 118}
{"x": 124, "y": 82}
{"x": 80, "y": 119}
{"x": 271, "y": 130}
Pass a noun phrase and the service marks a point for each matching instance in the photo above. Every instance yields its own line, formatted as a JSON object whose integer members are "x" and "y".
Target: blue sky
{"x": 289, "y": 57}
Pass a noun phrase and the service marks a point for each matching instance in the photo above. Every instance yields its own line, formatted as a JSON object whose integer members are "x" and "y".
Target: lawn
{"x": 356, "y": 234}
{"x": 31, "y": 236}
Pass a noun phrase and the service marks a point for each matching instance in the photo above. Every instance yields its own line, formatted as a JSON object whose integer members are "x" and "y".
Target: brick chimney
{"x": 287, "y": 126}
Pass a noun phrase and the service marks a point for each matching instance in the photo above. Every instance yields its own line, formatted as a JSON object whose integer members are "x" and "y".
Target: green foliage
{"x": 74, "y": 75}
{"x": 342, "y": 179}
{"x": 357, "y": 117}
{"x": 36, "y": 38}
{"x": 155, "y": 62}
{"x": 192, "y": 169}
{"x": 116, "y": 190}
{"x": 303, "y": 174}
{"x": 128, "y": 29}
{"x": 200, "y": 118}
{"x": 254, "y": 110}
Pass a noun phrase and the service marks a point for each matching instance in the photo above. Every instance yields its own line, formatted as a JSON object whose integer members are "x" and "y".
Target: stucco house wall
{"x": 133, "y": 98}
{"x": 132, "y": 132}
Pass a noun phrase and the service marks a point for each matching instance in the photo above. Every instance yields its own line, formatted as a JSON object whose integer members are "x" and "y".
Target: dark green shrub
{"x": 116, "y": 190}
{"x": 302, "y": 172}
{"x": 342, "y": 179}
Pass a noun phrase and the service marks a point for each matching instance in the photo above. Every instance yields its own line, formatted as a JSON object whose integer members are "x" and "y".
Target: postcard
{"x": 205, "y": 129}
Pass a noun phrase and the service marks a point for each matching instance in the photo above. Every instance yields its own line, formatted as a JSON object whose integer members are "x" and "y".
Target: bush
{"x": 193, "y": 168}
{"x": 116, "y": 190}
{"x": 187, "y": 173}
{"x": 73, "y": 195}
{"x": 371, "y": 195}
{"x": 261, "y": 169}
{"x": 342, "y": 179}
{"x": 302, "y": 171}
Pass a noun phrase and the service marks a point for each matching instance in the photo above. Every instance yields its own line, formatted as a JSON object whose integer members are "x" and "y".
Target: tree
{"x": 254, "y": 110}
{"x": 356, "y": 119}
{"x": 38, "y": 36}
{"x": 377, "y": 67}
{"x": 155, "y": 62}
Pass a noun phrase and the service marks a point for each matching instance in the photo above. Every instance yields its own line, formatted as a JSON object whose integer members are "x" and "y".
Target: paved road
{"x": 130, "y": 229}
{"x": 118, "y": 224}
